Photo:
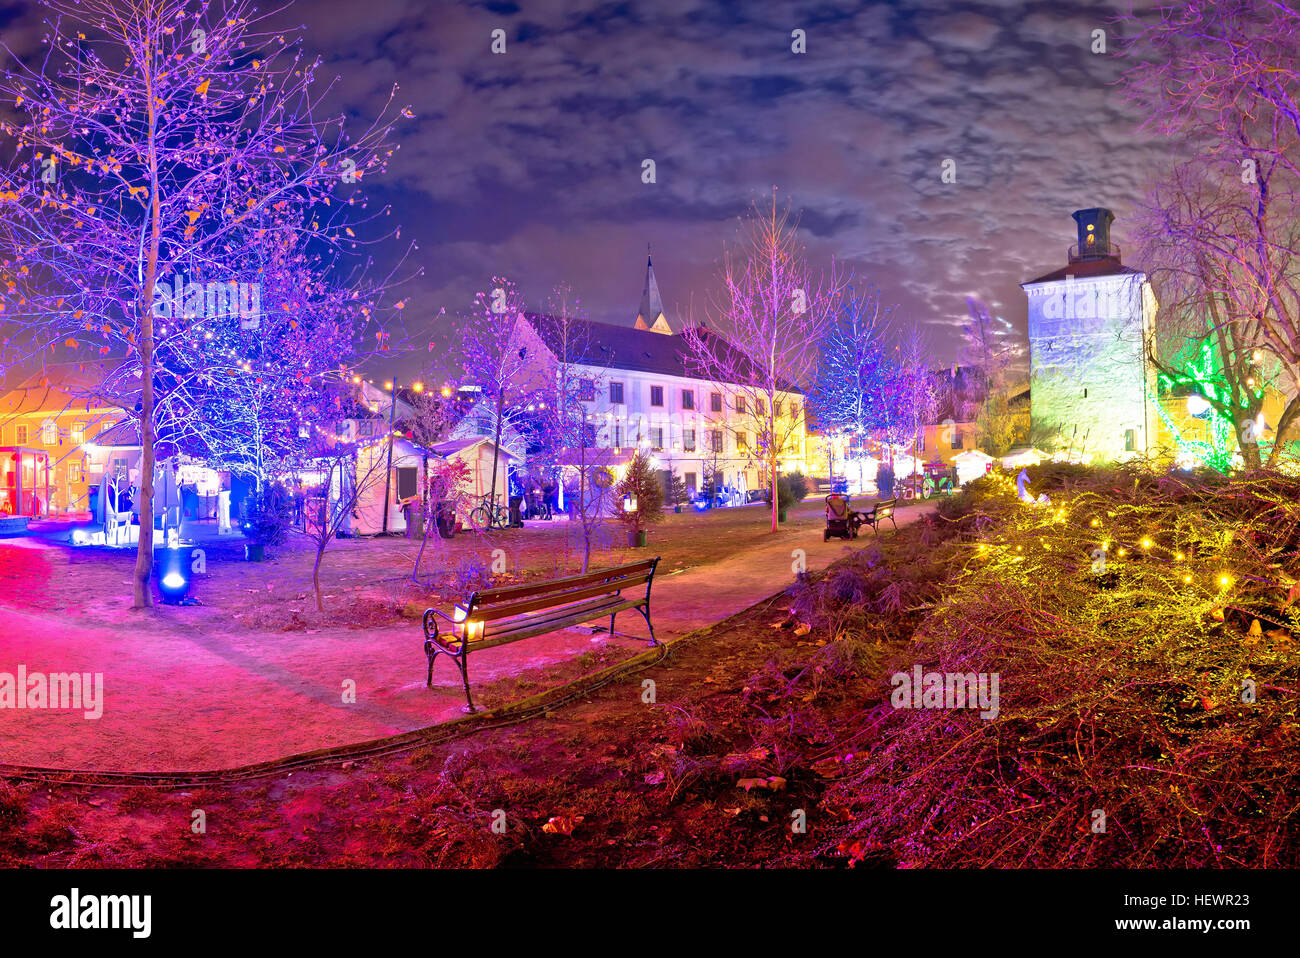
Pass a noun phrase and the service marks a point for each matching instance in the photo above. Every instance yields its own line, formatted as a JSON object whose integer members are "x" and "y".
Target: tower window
{"x": 1130, "y": 440}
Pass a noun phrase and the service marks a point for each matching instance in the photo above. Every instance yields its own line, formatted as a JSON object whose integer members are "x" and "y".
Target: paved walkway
{"x": 187, "y": 702}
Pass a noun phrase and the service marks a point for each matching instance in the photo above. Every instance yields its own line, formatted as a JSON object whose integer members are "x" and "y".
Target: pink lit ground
{"x": 200, "y": 688}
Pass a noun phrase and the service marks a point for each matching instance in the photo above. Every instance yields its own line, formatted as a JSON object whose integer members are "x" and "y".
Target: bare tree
{"x": 1223, "y": 81}
{"x": 769, "y": 322}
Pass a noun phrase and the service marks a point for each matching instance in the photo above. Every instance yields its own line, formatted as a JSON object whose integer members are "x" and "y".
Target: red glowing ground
{"x": 189, "y": 689}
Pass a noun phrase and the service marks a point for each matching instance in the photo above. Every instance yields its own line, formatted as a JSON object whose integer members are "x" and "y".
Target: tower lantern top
{"x": 1094, "y": 235}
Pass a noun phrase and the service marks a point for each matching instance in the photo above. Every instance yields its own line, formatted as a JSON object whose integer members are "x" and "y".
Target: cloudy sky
{"x": 529, "y": 163}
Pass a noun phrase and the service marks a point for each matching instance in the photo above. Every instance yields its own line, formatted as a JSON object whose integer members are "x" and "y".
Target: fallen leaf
{"x": 562, "y": 824}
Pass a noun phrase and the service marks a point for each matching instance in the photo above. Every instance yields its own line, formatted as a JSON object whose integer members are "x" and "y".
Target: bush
{"x": 264, "y": 517}
{"x": 791, "y": 490}
{"x": 885, "y": 481}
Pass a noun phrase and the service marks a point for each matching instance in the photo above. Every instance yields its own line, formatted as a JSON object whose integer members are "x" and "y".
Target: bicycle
{"x": 489, "y": 514}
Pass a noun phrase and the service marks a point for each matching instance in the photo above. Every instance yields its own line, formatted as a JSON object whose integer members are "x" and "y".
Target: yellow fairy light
{"x": 1146, "y": 543}
{"x": 1123, "y": 552}
{"x": 1187, "y": 580}
{"x": 1178, "y": 557}
{"x": 1095, "y": 522}
{"x": 1225, "y": 580}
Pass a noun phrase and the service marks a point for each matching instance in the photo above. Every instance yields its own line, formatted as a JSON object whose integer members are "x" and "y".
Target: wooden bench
{"x": 500, "y": 616}
{"x": 13, "y": 525}
{"x": 882, "y": 510}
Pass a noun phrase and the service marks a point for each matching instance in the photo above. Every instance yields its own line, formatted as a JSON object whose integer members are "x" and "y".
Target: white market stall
{"x": 971, "y": 464}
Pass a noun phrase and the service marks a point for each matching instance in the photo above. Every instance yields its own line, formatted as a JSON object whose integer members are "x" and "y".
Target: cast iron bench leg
{"x": 645, "y": 612}
{"x": 462, "y": 660}
{"x": 432, "y": 652}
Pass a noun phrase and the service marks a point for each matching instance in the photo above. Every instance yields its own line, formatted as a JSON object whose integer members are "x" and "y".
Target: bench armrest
{"x": 429, "y": 620}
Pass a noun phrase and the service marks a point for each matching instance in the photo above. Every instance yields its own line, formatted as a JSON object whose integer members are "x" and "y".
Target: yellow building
{"x": 40, "y": 416}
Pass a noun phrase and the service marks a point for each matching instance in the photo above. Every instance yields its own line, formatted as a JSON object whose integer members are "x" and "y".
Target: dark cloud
{"x": 529, "y": 163}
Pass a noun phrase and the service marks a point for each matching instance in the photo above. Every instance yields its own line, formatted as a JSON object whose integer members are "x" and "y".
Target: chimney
{"x": 1094, "y": 234}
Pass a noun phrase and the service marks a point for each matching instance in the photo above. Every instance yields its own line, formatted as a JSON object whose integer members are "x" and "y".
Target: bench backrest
{"x": 885, "y": 508}
{"x": 488, "y": 604}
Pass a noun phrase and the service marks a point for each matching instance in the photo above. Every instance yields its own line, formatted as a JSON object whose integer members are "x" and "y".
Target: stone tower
{"x": 1092, "y": 389}
{"x": 651, "y": 314}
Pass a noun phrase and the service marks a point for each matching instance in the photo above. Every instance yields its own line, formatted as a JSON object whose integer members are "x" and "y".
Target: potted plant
{"x": 642, "y": 499}
{"x": 791, "y": 490}
{"x": 264, "y": 519}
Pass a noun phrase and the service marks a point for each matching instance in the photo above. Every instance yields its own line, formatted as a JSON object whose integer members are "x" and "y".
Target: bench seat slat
{"x": 508, "y": 609}
{"x": 524, "y": 631}
{"x": 506, "y": 593}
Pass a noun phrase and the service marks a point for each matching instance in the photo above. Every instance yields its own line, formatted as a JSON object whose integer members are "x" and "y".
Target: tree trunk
{"x": 142, "y": 597}
{"x": 315, "y": 577}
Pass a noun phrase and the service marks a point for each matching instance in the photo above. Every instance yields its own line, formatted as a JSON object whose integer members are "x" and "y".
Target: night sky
{"x": 529, "y": 163}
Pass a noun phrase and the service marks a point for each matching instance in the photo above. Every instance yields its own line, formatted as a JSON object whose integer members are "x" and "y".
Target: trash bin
{"x": 516, "y": 516}
{"x": 445, "y": 517}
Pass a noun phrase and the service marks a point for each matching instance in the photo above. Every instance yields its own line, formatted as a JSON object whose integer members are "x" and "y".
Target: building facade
{"x": 639, "y": 392}
{"x": 1093, "y": 390}
{"x": 45, "y": 417}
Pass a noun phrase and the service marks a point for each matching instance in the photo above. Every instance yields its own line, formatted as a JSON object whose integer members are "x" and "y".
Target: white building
{"x": 1091, "y": 385}
{"x": 640, "y": 392}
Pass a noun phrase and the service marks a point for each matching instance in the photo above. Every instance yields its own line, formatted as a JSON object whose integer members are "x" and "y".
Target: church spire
{"x": 651, "y": 314}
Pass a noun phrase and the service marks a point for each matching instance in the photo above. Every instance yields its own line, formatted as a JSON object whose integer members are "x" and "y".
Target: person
{"x": 548, "y": 494}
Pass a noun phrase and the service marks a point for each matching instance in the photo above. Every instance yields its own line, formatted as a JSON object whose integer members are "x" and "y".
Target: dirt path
{"x": 202, "y": 699}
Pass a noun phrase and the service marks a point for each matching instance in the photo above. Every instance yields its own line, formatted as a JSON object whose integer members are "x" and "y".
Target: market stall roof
{"x": 453, "y": 446}
{"x": 972, "y": 455}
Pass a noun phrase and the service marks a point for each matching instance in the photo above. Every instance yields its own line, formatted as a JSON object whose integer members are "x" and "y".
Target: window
{"x": 920, "y": 443}
{"x": 1130, "y": 440}
{"x": 715, "y": 402}
{"x": 760, "y": 407}
{"x": 616, "y": 392}
{"x": 20, "y": 435}
{"x": 742, "y": 442}
{"x": 407, "y": 482}
{"x": 49, "y": 433}
{"x": 776, "y": 408}
{"x": 656, "y": 395}
{"x": 618, "y": 437}
{"x": 366, "y": 427}
{"x": 75, "y": 472}
{"x": 794, "y": 411}
{"x": 657, "y": 437}
{"x": 688, "y": 440}
{"x": 688, "y": 399}
{"x": 957, "y": 441}
{"x": 588, "y": 435}
{"x": 483, "y": 425}
{"x": 715, "y": 439}
{"x": 691, "y": 483}
{"x": 739, "y": 403}
{"x": 587, "y": 390}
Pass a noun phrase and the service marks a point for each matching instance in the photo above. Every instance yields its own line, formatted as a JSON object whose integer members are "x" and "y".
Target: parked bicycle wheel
{"x": 481, "y": 518}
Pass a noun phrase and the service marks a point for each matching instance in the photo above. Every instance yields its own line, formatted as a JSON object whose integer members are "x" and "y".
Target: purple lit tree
{"x": 157, "y": 139}
{"x": 1221, "y": 239}
{"x": 499, "y": 366}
